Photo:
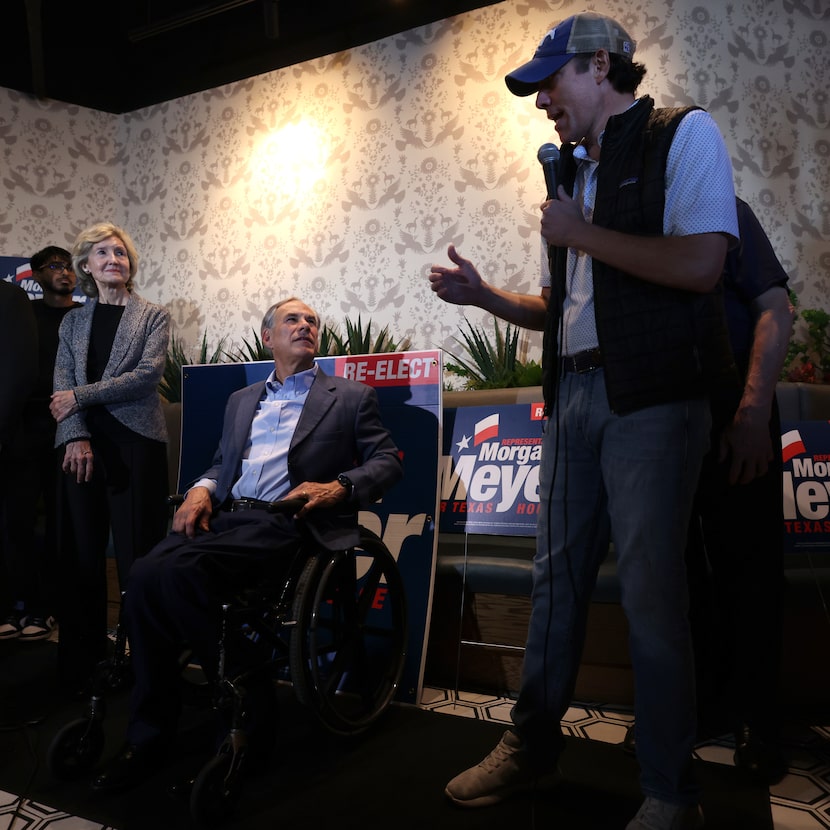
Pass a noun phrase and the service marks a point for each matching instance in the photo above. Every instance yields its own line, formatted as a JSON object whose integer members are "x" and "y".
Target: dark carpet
{"x": 391, "y": 777}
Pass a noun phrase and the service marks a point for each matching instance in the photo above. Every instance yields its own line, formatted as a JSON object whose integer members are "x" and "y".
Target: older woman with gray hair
{"x": 110, "y": 360}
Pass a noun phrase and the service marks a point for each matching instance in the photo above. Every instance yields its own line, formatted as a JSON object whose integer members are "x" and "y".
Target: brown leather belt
{"x": 581, "y": 362}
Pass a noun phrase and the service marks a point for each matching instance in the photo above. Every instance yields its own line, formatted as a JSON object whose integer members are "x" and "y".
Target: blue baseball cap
{"x": 582, "y": 33}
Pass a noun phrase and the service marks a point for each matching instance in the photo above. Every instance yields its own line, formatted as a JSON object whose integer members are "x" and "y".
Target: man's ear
{"x": 600, "y": 64}
{"x": 266, "y": 339}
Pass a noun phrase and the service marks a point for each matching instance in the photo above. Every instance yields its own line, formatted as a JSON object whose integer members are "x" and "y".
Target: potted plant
{"x": 808, "y": 359}
{"x": 493, "y": 364}
{"x": 357, "y": 341}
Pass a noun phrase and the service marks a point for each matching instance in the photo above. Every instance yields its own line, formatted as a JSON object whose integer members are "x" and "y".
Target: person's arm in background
{"x": 759, "y": 281}
{"x": 746, "y": 441}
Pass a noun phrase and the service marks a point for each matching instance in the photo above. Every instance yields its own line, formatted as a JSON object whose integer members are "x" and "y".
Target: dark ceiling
{"x": 121, "y": 55}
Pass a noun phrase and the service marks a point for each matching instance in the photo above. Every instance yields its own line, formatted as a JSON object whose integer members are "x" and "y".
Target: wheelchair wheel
{"x": 348, "y": 647}
{"x": 216, "y": 790}
{"x": 75, "y": 749}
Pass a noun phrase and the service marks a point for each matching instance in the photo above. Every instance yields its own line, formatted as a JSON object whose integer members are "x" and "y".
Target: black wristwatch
{"x": 346, "y": 482}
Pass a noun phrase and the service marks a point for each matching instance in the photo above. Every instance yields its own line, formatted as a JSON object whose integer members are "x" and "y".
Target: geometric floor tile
{"x": 801, "y": 801}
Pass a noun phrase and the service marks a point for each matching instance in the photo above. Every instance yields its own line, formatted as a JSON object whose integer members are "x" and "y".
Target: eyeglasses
{"x": 58, "y": 266}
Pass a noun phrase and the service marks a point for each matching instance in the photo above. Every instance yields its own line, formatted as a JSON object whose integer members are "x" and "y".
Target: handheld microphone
{"x": 548, "y": 156}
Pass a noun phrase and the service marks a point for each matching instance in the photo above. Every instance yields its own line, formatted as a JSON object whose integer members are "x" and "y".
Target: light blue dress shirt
{"x": 265, "y": 458}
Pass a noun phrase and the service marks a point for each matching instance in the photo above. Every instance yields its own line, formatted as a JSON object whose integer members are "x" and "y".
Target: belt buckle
{"x": 586, "y": 361}
{"x": 592, "y": 363}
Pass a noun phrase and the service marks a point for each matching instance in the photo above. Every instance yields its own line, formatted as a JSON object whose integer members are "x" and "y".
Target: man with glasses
{"x": 31, "y": 562}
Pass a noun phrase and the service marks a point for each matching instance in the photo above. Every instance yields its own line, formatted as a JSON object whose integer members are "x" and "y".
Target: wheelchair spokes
{"x": 348, "y": 647}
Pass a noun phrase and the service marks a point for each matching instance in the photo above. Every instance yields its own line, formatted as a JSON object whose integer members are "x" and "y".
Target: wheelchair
{"x": 334, "y": 627}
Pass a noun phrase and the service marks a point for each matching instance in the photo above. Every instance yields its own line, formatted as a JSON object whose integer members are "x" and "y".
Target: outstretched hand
{"x": 460, "y": 285}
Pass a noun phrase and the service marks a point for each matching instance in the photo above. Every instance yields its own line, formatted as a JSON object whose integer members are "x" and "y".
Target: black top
{"x": 105, "y": 322}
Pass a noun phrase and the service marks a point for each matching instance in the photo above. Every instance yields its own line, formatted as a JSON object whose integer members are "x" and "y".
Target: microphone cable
{"x": 561, "y": 435}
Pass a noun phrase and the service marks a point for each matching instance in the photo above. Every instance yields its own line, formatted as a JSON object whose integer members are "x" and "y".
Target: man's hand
{"x": 194, "y": 513}
{"x": 562, "y": 220}
{"x": 746, "y": 445}
{"x": 317, "y": 495}
{"x": 460, "y": 285}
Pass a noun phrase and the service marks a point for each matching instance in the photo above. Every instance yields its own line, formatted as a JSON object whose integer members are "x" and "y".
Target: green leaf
{"x": 493, "y": 363}
{"x": 170, "y": 385}
{"x": 357, "y": 341}
{"x": 808, "y": 359}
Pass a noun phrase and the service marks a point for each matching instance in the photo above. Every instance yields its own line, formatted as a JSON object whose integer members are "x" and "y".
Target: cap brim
{"x": 526, "y": 79}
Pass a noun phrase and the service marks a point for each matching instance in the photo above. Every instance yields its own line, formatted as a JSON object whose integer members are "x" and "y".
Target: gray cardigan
{"x": 129, "y": 386}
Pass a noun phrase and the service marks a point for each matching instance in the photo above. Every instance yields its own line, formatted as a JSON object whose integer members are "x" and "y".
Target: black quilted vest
{"x": 659, "y": 344}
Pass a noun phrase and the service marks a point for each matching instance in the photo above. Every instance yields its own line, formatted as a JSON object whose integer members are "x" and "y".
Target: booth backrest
{"x": 804, "y": 401}
{"x": 796, "y": 401}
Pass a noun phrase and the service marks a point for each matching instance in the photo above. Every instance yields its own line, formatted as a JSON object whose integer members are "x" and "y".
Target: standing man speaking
{"x": 635, "y": 340}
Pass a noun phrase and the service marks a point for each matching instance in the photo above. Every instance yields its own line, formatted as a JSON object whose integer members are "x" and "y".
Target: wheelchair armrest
{"x": 286, "y": 505}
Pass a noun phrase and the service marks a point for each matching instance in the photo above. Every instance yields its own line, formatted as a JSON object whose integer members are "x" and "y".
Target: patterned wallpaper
{"x": 341, "y": 180}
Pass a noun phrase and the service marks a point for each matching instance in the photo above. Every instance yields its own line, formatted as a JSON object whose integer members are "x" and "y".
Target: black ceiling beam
{"x": 176, "y": 21}
{"x": 169, "y": 48}
{"x": 34, "y": 22}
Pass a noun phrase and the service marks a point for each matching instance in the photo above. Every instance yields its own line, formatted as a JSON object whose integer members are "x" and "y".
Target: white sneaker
{"x": 660, "y": 815}
{"x": 506, "y": 770}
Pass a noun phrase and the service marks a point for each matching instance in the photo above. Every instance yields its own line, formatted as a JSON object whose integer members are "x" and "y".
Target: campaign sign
{"x": 490, "y": 469}
{"x": 408, "y": 386}
{"x": 806, "y": 455}
{"x": 18, "y": 270}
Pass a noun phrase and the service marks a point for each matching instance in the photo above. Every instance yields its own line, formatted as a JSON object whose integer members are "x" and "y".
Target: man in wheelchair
{"x": 301, "y": 435}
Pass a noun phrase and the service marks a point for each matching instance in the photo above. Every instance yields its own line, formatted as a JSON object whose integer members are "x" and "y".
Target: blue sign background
{"x": 491, "y": 487}
{"x": 807, "y": 488}
{"x": 509, "y": 508}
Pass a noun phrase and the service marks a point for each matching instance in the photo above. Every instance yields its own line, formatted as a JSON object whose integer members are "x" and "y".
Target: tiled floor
{"x": 800, "y": 802}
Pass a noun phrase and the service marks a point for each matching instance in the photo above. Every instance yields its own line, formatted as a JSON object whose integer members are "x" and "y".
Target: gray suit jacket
{"x": 339, "y": 431}
{"x": 129, "y": 386}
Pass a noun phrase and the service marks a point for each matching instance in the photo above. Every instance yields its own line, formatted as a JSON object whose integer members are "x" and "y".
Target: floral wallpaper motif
{"x": 343, "y": 179}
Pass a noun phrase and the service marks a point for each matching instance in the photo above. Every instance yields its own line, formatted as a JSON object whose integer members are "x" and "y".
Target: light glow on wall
{"x": 289, "y": 161}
